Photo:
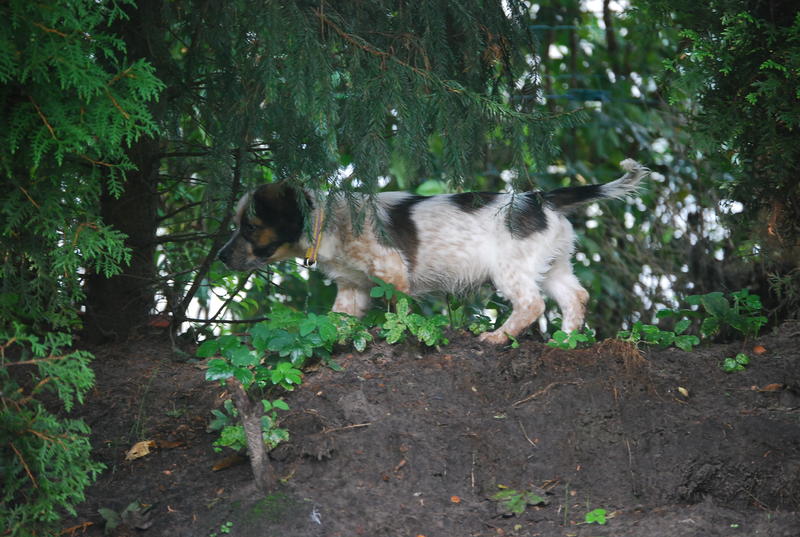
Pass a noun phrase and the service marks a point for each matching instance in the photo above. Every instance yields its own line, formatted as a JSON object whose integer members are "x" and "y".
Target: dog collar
{"x": 316, "y": 240}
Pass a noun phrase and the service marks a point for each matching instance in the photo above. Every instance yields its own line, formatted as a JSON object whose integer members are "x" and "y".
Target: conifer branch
{"x": 29, "y": 197}
{"x": 97, "y": 162}
{"x": 49, "y": 30}
{"x": 24, "y": 465}
{"x": 44, "y": 119}
{"x": 116, "y": 104}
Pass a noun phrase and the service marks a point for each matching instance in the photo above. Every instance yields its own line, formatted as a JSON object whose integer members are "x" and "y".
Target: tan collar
{"x": 316, "y": 239}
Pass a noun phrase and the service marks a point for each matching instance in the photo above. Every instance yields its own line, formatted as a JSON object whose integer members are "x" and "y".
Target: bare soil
{"x": 407, "y": 441}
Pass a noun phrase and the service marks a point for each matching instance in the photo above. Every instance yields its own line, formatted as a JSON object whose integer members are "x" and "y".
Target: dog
{"x": 522, "y": 243}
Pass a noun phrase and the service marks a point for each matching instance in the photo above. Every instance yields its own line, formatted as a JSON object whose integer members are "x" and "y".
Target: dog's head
{"x": 269, "y": 226}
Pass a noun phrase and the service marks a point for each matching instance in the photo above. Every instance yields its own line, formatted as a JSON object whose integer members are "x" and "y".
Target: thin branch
{"x": 24, "y": 465}
{"x": 544, "y": 391}
{"x": 226, "y": 321}
{"x": 44, "y": 119}
{"x": 179, "y": 314}
{"x": 116, "y": 104}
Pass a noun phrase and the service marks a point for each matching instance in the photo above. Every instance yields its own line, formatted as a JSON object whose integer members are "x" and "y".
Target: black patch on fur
{"x": 526, "y": 215}
{"x": 278, "y": 208}
{"x": 472, "y": 201}
{"x": 572, "y": 195}
{"x": 402, "y": 230}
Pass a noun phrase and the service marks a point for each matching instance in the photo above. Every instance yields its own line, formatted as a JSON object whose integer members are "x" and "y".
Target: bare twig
{"x": 544, "y": 391}
{"x": 346, "y": 428}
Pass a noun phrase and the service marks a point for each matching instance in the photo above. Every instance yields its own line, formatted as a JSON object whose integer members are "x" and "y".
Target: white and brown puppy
{"x": 522, "y": 243}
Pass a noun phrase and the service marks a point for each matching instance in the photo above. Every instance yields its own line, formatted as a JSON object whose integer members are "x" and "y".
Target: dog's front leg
{"x": 525, "y": 313}
{"x": 351, "y": 300}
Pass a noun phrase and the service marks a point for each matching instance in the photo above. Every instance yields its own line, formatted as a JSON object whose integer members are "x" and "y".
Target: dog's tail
{"x": 564, "y": 199}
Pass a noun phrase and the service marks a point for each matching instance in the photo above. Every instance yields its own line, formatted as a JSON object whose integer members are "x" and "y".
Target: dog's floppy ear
{"x": 276, "y": 206}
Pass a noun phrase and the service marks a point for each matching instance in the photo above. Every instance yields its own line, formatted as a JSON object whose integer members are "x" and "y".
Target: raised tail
{"x": 564, "y": 199}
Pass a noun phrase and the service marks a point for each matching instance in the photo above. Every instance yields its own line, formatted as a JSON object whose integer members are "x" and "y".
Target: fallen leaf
{"x": 139, "y": 450}
{"x": 759, "y": 349}
{"x": 227, "y": 462}
{"x": 775, "y": 387}
{"x": 683, "y": 391}
{"x": 455, "y": 499}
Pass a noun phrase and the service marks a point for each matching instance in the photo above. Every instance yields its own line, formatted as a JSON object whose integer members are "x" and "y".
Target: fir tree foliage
{"x": 45, "y": 459}
{"x": 312, "y": 86}
{"x": 72, "y": 103}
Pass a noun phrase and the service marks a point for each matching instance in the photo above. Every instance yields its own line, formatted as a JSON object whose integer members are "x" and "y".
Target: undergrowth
{"x": 269, "y": 359}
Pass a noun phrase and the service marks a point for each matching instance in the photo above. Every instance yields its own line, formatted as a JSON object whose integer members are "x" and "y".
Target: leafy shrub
{"x": 738, "y": 363}
{"x": 576, "y": 338}
{"x": 653, "y": 335}
{"x": 716, "y": 314}
{"x": 427, "y": 330}
{"x": 515, "y": 501}
{"x": 231, "y": 433}
{"x": 271, "y": 356}
{"x": 44, "y": 458}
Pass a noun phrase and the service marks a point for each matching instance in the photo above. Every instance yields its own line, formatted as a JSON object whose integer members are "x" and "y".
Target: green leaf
{"x": 281, "y": 404}
{"x": 308, "y": 325}
{"x": 244, "y": 375}
{"x": 682, "y": 325}
{"x": 208, "y": 348}
{"x": 218, "y": 369}
{"x": 716, "y": 304}
{"x": 686, "y": 342}
{"x": 244, "y": 357}
{"x": 597, "y": 516}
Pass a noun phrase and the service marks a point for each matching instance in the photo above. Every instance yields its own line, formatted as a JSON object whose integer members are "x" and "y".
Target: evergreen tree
{"x": 71, "y": 105}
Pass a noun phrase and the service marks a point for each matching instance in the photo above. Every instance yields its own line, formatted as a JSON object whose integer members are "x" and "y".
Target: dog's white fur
{"x": 458, "y": 250}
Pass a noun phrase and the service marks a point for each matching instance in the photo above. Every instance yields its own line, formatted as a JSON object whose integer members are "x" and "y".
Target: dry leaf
{"x": 139, "y": 450}
{"x": 775, "y": 387}
{"x": 759, "y": 349}
{"x": 227, "y": 462}
{"x": 683, "y": 391}
{"x": 455, "y": 499}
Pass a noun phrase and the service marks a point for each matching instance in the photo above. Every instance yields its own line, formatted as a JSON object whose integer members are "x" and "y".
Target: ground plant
{"x": 516, "y": 501}
{"x": 596, "y": 516}
{"x": 573, "y": 339}
{"x": 45, "y": 457}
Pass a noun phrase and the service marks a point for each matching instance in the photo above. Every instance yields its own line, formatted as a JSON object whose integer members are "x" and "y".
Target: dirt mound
{"x": 408, "y": 441}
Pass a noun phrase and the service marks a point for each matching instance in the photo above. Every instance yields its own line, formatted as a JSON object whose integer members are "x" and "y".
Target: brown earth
{"x": 408, "y": 441}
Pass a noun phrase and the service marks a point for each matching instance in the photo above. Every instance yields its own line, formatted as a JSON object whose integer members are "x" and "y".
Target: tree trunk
{"x": 117, "y": 306}
{"x": 250, "y": 413}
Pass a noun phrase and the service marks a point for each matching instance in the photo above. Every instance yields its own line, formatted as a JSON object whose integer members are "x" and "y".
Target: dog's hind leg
{"x": 351, "y": 300}
{"x": 528, "y": 306}
{"x": 561, "y": 285}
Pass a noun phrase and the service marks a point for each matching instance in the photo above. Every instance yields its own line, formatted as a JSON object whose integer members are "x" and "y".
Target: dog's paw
{"x": 495, "y": 338}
